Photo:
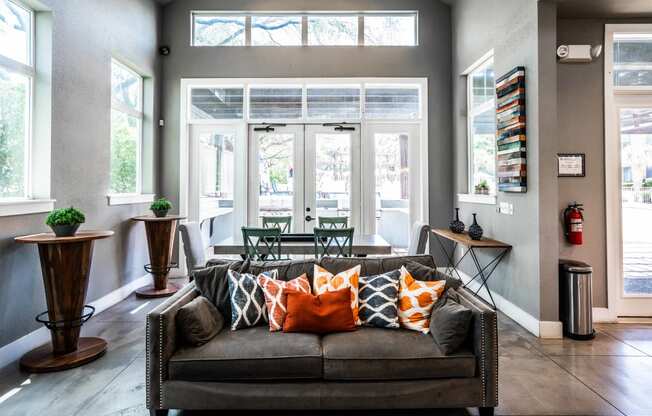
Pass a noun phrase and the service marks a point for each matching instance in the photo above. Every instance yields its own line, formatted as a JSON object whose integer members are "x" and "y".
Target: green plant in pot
{"x": 160, "y": 207}
{"x": 65, "y": 221}
{"x": 482, "y": 188}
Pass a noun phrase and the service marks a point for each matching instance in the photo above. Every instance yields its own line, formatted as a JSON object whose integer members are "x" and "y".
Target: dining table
{"x": 363, "y": 245}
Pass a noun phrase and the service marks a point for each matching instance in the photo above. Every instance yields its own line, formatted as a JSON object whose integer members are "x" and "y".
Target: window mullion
{"x": 17, "y": 67}
{"x": 361, "y": 30}
{"x": 248, "y": 30}
{"x": 304, "y": 30}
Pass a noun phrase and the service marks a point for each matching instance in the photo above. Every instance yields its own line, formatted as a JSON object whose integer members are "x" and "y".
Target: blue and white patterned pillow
{"x": 247, "y": 299}
{"x": 378, "y": 296}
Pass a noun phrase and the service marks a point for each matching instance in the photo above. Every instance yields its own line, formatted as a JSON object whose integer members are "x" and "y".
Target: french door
{"x": 634, "y": 141}
{"x": 304, "y": 171}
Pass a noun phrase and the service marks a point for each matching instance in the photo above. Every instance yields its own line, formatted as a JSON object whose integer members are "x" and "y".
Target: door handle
{"x": 309, "y": 218}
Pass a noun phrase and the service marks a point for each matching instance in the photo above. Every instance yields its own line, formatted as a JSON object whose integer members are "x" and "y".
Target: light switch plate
{"x": 506, "y": 208}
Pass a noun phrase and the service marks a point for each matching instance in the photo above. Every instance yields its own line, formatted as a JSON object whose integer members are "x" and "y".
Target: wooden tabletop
{"x": 371, "y": 244}
{"x": 50, "y": 238}
{"x": 467, "y": 241}
{"x": 155, "y": 218}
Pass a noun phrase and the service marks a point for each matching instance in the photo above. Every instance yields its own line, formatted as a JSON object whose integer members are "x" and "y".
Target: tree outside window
{"x": 126, "y": 129}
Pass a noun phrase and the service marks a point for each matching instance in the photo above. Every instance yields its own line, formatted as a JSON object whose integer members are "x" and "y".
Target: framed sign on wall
{"x": 571, "y": 165}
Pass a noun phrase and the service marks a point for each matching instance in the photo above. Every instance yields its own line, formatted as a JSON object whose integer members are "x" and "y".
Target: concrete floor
{"x": 611, "y": 375}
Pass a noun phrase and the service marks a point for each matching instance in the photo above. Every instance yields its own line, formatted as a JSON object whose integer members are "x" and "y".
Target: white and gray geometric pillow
{"x": 378, "y": 296}
{"x": 247, "y": 299}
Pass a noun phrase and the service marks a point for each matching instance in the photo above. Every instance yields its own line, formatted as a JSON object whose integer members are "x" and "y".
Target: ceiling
{"x": 604, "y": 8}
{"x": 584, "y": 8}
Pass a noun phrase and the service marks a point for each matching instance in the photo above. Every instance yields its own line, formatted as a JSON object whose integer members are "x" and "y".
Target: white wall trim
{"x": 542, "y": 329}
{"x": 25, "y": 206}
{"x": 477, "y": 199}
{"x": 605, "y": 315}
{"x": 125, "y": 199}
{"x": 14, "y": 350}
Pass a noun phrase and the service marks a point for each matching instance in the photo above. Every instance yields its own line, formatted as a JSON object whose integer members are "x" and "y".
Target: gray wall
{"x": 430, "y": 59}
{"x": 85, "y": 36}
{"x": 510, "y": 28}
{"x": 581, "y": 129}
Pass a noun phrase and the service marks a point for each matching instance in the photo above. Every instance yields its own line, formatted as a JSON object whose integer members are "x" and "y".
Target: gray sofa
{"x": 370, "y": 368}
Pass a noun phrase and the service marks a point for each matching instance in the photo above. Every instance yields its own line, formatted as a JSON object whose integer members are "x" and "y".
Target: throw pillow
{"x": 199, "y": 321}
{"x": 321, "y": 314}
{"x": 449, "y": 324}
{"x": 212, "y": 283}
{"x": 247, "y": 300}
{"x": 276, "y": 297}
{"x": 378, "y": 296}
{"x": 416, "y": 300}
{"x": 324, "y": 281}
{"x": 422, "y": 272}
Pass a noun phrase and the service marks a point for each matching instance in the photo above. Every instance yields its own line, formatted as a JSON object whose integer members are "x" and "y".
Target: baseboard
{"x": 14, "y": 350}
{"x": 543, "y": 329}
{"x": 604, "y": 315}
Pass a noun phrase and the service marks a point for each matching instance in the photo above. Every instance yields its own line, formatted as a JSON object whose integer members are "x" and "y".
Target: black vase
{"x": 160, "y": 213}
{"x": 65, "y": 230}
{"x": 456, "y": 225}
{"x": 475, "y": 231}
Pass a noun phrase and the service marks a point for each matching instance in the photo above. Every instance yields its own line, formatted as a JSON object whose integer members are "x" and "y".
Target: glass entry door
{"x": 304, "y": 171}
{"x": 635, "y": 128}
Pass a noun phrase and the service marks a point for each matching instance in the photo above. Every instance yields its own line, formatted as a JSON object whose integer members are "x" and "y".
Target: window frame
{"x": 470, "y": 196}
{"x": 28, "y": 71}
{"x": 119, "y": 198}
{"x": 304, "y": 17}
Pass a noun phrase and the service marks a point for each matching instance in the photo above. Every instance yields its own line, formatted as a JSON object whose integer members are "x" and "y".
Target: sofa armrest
{"x": 161, "y": 342}
{"x": 484, "y": 340}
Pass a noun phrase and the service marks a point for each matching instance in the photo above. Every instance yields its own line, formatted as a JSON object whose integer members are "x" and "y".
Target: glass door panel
{"x": 277, "y": 177}
{"x": 213, "y": 200}
{"x": 636, "y": 200}
{"x": 332, "y": 178}
{"x": 392, "y": 187}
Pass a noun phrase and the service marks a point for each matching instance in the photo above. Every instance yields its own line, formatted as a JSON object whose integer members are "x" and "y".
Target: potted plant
{"x": 65, "y": 221}
{"x": 160, "y": 207}
{"x": 482, "y": 188}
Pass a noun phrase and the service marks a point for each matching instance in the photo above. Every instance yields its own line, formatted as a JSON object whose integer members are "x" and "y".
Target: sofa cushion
{"x": 381, "y": 354}
{"x": 251, "y": 354}
{"x": 287, "y": 269}
{"x": 212, "y": 283}
{"x": 199, "y": 321}
{"x": 378, "y": 296}
{"x": 373, "y": 265}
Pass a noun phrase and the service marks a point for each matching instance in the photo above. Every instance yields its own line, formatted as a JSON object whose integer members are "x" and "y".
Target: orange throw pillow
{"x": 324, "y": 281}
{"x": 276, "y": 296}
{"x": 416, "y": 300}
{"x": 321, "y": 314}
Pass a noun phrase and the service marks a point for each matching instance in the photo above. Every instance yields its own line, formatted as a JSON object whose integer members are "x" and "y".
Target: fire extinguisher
{"x": 574, "y": 223}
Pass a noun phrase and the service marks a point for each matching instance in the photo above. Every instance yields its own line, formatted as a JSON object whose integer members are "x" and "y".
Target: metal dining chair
{"x": 262, "y": 243}
{"x": 333, "y": 222}
{"x": 333, "y": 241}
{"x": 419, "y": 238}
{"x": 282, "y": 222}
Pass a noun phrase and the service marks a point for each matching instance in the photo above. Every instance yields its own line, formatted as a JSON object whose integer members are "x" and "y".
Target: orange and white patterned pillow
{"x": 276, "y": 297}
{"x": 324, "y": 281}
{"x": 415, "y": 301}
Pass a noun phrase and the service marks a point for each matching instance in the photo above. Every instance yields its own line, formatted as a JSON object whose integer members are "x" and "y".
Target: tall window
{"x": 16, "y": 86}
{"x": 482, "y": 128}
{"x": 126, "y": 129}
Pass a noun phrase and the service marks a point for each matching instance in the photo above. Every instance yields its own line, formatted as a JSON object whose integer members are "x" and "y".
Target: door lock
{"x": 309, "y": 218}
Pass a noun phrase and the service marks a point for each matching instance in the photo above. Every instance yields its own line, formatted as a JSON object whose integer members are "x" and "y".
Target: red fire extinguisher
{"x": 574, "y": 223}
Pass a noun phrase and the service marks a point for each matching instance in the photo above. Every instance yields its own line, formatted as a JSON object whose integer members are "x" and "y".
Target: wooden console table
{"x": 66, "y": 265}
{"x": 483, "y": 272}
{"x": 160, "y": 241}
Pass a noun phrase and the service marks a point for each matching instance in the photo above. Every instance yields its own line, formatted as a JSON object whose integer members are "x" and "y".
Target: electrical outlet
{"x": 506, "y": 208}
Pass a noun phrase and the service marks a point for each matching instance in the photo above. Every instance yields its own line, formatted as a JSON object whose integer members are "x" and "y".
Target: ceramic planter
{"x": 65, "y": 230}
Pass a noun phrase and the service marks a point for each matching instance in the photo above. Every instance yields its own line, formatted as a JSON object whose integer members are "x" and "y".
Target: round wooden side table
{"x": 160, "y": 241}
{"x": 66, "y": 266}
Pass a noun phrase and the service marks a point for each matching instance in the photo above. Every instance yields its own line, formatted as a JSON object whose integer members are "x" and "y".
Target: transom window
{"x": 632, "y": 60}
{"x": 481, "y": 111}
{"x": 126, "y": 129}
{"x": 16, "y": 96}
{"x": 306, "y": 101}
{"x": 310, "y": 29}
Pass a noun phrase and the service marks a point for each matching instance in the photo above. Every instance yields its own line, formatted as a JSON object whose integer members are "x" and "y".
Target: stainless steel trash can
{"x": 575, "y": 301}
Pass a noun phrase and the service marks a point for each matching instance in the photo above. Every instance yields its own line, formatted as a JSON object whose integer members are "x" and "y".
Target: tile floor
{"x": 611, "y": 375}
